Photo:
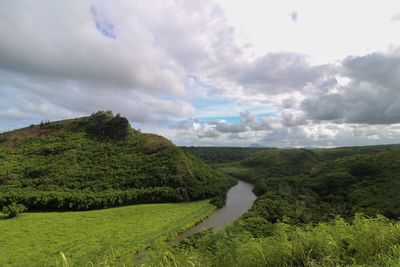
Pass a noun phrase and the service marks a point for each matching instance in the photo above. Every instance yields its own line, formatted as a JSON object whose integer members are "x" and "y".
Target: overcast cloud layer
{"x": 208, "y": 72}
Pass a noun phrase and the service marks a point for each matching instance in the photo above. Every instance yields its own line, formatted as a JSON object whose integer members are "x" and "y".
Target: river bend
{"x": 239, "y": 199}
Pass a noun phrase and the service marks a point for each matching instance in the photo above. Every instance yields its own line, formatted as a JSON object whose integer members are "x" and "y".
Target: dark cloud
{"x": 208, "y": 134}
{"x": 372, "y": 95}
{"x": 223, "y": 127}
{"x": 291, "y": 119}
{"x": 324, "y": 107}
{"x": 377, "y": 68}
{"x": 277, "y": 73}
{"x": 288, "y": 103}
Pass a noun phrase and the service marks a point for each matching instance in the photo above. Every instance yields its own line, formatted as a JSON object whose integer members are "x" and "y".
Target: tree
{"x": 13, "y": 209}
{"x": 103, "y": 123}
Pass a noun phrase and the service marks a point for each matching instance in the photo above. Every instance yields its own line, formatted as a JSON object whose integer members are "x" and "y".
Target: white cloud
{"x": 370, "y": 96}
{"x": 81, "y": 57}
{"x": 160, "y": 63}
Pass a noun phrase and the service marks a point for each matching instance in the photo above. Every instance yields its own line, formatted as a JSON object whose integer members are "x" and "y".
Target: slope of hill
{"x": 220, "y": 155}
{"x": 96, "y": 162}
{"x": 316, "y": 207}
{"x": 312, "y": 185}
{"x": 92, "y": 236}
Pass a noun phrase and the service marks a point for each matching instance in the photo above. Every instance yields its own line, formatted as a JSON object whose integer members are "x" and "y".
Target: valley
{"x": 100, "y": 193}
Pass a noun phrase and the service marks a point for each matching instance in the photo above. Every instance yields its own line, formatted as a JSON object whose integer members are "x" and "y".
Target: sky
{"x": 290, "y": 73}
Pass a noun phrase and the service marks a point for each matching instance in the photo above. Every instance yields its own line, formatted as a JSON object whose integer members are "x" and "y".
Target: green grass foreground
{"x": 363, "y": 242}
{"x": 36, "y": 239}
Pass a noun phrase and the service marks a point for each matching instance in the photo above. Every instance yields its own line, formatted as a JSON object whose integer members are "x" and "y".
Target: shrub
{"x": 3, "y": 137}
{"x": 13, "y": 209}
{"x": 218, "y": 201}
{"x": 103, "y": 123}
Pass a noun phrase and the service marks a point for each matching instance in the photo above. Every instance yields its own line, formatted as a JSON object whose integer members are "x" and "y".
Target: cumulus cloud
{"x": 81, "y": 57}
{"x": 277, "y": 73}
{"x": 370, "y": 97}
{"x": 66, "y": 44}
{"x": 324, "y": 107}
{"x": 286, "y": 137}
{"x": 164, "y": 63}
{"x": 290, "y": 118}
{"x": 247, "y": 122}
{"x": 77, "y": 58}
{"x": 249, "y": 129}
{"x": 288, "y": 102}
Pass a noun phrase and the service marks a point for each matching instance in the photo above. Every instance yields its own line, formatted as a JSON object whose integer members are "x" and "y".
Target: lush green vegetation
{"x": 307, "y": 213}
{"x": 99, "y": 162}
{"x": 103, "y": 237}
{"x": 363, "y": 242}
{"x": 316, "y": 207}
{"x": 13, "y": 210}
{"x": 313, "y": 185}
{"x": 213, "y": 155}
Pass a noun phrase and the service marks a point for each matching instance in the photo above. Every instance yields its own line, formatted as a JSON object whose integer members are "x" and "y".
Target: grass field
{"x": 36, "y": 239}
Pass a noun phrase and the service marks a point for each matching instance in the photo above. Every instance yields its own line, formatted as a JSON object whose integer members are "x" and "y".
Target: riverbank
{"x": 239, "y": 199}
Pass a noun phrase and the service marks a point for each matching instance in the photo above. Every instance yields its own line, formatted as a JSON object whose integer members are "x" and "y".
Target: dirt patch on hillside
{"x": 27, "y": 133}
{"x": 155, "y": 143}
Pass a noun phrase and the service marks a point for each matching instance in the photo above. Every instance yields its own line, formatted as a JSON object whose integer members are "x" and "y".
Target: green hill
{"x": 96, "y": 162}
{"x": 313, "y": 185}
{"x": 316, "y": 207}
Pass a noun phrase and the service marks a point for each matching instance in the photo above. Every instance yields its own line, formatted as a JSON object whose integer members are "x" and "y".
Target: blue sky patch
{"x": 103, "y": 25}
{"x": 228, "y": 119}
{"x": 204, "y": 103}
{"x": 267, "y": 115}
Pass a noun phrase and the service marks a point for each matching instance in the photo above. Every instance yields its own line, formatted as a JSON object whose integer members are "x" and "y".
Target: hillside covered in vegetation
{"x": 316, "y": 207}
{"x": 96, "y": 162}
{"x": 313, "y": 185}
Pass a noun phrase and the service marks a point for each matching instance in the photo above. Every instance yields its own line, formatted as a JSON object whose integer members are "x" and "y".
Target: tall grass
{"x": 363, "y": 242}
{"x": 110, "y": 237}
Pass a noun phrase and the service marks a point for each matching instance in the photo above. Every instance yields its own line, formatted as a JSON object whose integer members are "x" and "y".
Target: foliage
{"x": 112, "y": 235}
{"x": 320, "y": 183}
{"x": 3, "y": 137}
{"x": 106, "y": 125}
{"x": 218, "y": 201}
{"x": 307, "y": 212}
{"x": 86, "y": 163}
{"x": 221, "y": 154}
{"x": 364, "y": 242}
{"x": 13, "y": 210}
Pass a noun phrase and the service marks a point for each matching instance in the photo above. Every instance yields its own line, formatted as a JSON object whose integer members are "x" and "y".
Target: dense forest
{"x": 96, "y": 162}
{"x": 313, "y": 185}
{"x": 316, "y": 207}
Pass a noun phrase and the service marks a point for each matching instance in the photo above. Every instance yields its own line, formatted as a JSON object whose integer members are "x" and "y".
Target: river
{"x": 239, "y": 199}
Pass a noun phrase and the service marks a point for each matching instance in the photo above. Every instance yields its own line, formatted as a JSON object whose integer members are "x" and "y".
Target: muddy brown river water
{"x": 239, "y": 199}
